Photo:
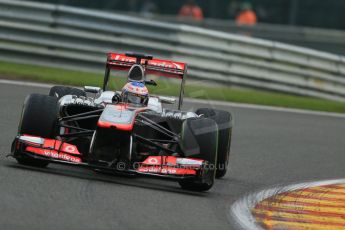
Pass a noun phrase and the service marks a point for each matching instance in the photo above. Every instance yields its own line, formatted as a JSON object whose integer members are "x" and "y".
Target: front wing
{"x": 57, "y": 151}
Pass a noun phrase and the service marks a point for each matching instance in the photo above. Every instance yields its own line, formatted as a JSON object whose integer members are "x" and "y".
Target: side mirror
{"x": 151, "y": 82}
{"x": 92, "y": 89}
{"x": 167, "y": 100}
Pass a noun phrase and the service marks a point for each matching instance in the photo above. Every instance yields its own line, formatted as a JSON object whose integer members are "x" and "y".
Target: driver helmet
{"x": 135, "y": 94}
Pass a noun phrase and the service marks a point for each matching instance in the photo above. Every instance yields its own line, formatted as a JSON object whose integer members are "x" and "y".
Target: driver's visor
{"x": 136, "y": 99}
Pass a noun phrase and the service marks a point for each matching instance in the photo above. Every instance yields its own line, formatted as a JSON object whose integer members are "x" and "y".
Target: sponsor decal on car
{"x": 173, "y": 161}
{"x": 154, "y": 62}
{"x": 53, "y": 154}
{"x": 50, "y": 144}
{"x": 166, "y": 170}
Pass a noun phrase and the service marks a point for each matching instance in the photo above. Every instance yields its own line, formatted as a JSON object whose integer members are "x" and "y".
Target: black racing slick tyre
{"x": 60, "y": 91}
{"x": 39, "y": 117}
{"x": 224, "y": 122}
{"x": 199, "y": 139}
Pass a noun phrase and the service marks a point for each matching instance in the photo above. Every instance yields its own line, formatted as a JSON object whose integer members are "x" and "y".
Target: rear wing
{"x": 152, "y": 65}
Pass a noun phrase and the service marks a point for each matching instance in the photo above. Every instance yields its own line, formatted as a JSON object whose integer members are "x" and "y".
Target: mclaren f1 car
{"x": 127, "y": 131}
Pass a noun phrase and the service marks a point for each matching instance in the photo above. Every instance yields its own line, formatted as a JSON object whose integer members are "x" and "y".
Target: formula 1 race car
{"x": 128, "y": 131}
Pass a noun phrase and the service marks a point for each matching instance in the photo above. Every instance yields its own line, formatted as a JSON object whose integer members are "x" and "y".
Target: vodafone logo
{"x": 153, "y": 161}
{"x": 70, "y": 149}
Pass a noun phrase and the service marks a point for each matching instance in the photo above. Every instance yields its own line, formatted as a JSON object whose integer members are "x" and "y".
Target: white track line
{"x": 241, "y": 209}
{"x": 26, "y": 83}
{"x": 200, "y": 101}
{"x": 265, "y": 108}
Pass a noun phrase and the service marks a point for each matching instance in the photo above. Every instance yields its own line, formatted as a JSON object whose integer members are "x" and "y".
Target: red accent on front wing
{"x": 53, "y": 154}
{"x": 166, "y": 170}
{"x": 166, "y": 165}
{"x": 56, "y": 144}
{"x": 160, "y": 160}
{"x": 173, "y": 161}
{"x": 53, "y": 148}
{"x": 170, "y": 165}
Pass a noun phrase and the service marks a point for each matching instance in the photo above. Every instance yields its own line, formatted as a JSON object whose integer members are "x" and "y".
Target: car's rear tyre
{"x": 224, "y": 122}
{"x": 60, "y": 91}
{"x": 39, "y": 116}
{"x": 199, "y": 139}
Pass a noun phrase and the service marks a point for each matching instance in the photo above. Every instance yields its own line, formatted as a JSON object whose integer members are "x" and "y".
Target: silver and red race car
{"x": 126, "y": 133}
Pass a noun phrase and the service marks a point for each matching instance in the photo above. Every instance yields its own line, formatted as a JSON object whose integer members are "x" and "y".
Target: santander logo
{"x": 154, "y": 62}
{"x": 122, "y": 58}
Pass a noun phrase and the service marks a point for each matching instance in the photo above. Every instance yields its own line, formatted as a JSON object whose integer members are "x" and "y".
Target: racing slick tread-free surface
{"x": 38, "y": 118}
{"x": 223, "y": 120}
{"x": 200, "y": 137}
{"x": 60, "y": 91}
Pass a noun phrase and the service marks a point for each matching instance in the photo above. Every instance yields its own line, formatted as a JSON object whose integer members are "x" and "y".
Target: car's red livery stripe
{"x": 166, "y": 170}
{"x": 53, "y": 154}
{"x": 108, "y": 125}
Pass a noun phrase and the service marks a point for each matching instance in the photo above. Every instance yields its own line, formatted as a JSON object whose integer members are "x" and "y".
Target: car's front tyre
{"x": 224, "y": 122}
{"x": 199, "y": 139}
{"x": 60, "y": 91}
{"x": 38, "y": 118}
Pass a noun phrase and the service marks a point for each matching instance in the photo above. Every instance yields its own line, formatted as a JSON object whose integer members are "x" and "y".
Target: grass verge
{"x": 195, "y": 90}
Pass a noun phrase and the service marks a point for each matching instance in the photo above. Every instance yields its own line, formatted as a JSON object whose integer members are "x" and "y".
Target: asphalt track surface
{"x": 268, "y": 148}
